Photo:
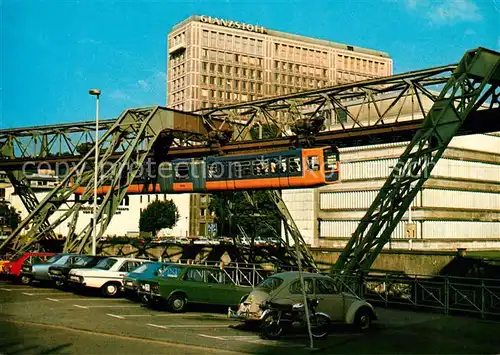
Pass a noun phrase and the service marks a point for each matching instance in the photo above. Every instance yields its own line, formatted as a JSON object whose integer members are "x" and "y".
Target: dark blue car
{"x": 145, "y": 271}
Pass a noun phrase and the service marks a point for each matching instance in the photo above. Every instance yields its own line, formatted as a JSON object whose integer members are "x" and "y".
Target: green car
{"x": 180, "y": 284}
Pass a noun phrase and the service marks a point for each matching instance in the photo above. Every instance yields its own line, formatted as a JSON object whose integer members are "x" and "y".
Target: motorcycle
{"x": 278, "y": 317}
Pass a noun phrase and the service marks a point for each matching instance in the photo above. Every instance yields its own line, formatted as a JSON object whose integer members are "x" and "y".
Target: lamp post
{"x": 96, "y": 93}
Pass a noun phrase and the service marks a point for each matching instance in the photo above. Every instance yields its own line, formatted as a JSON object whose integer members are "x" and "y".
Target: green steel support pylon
{"x": 473, "y": 85}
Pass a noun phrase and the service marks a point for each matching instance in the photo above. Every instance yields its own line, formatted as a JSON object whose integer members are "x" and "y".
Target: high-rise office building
{"x": 214, "y": 61}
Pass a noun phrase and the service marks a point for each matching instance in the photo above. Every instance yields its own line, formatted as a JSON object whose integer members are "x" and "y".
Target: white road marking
{"x": 157, "y": 326}
{"x": 7, "y": 289}
{"x": 211, "y": 336}
{"x": 52, "y": 299}
{"x": 173, "y": 315}
{"x": 28, "y": 294}
{"x": 113, "y": 306}
{"x": 196, "y": 326}
{"x": 77, "y": 305}
{"x": 115, "y": 316}
{"x": 83, "y": 299}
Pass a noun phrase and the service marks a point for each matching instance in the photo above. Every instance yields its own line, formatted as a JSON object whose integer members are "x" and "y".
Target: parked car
{"x": 12, "y": 268}
{"x": 285, "y": 288}
{"x": 107, "y": 275}
{"x": 60, "y": 273}
{"x": 40, "y": 272}
{"x": 143, "y": 272}
{"x": 180, "y": 284}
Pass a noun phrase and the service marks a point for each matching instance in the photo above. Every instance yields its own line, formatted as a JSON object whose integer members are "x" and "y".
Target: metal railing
{"x": 446, "y": 294}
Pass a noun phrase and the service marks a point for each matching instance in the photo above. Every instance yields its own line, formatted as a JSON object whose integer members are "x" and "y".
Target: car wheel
{"x": 177, "y": 303}
{"x": 110, "y": 289}
{"x": 363, "y": 319}
{"x": 25, "y": 280}
{"x": 59, "y": 283}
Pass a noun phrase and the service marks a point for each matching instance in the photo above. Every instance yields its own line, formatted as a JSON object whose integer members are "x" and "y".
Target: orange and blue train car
{"x": 288, "y": 169}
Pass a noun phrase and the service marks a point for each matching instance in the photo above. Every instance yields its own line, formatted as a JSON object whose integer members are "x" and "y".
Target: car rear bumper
{"x": 244, "y": 315}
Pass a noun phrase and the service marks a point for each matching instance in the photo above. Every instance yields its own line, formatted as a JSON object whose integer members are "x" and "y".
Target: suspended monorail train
{"x": 288, "y": 169}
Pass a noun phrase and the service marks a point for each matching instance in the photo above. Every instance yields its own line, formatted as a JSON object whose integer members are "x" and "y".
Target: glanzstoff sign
{"x": 232, "y": 24}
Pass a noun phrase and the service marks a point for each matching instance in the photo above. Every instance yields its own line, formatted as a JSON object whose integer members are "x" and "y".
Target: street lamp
{"x": 96, "y": 93}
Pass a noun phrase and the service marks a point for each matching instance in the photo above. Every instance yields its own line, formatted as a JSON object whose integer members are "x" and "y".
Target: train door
{"x": 332, "y": 165}
{"x": 312, "y": 160}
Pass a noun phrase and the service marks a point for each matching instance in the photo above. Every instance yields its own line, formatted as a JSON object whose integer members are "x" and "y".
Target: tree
{"x": 158, "y": 215}
{"x": 84, "y": 148}
{"x": 9, "y": 217}
{"x": 257, "y": 222}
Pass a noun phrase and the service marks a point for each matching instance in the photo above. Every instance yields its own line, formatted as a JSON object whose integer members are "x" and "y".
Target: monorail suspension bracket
{"x": 306, "y": 129}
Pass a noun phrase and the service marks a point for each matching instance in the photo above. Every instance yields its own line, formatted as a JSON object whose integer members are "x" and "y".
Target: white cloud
{"x": 412, "y": 4}
{"x": 89, "y": 41}
{"x": 445, "y": 11}
{"x": 451, "y": 11}
{"x": 119, "y": 95}
{"x": 143, "y": 84}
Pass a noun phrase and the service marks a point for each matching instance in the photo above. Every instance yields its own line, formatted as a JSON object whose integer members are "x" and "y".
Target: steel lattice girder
{"x": 285, "y": 111}
{"x": 134, "y": 134}
{"x": 474, "y": 84}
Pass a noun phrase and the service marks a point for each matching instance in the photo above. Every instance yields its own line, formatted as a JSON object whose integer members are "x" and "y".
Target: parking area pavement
{"x": 45, "y": 320}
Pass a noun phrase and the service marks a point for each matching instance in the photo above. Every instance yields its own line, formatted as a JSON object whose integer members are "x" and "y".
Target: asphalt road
{"x": 41, "y": 320}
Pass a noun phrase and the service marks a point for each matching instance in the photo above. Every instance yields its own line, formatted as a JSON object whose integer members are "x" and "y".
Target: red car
{"x": 13, "y": 267}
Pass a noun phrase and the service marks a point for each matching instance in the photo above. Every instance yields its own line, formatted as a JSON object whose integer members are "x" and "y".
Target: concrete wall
{"x": 428, "y": 263}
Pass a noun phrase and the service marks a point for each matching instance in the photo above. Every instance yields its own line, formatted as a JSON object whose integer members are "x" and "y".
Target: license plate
{"x": 147, "y": 287}
{"x": 74, "y": 278}
{"x": 129, "y": 283}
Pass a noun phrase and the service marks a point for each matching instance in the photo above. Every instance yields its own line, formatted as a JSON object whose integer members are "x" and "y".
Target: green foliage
{"x": 158, "y": 215}
{"x": 268, "y": 131}
{"x": 257, "y": 222}
{"x": 9, "y": 217}
{"x": 84, "y": 148}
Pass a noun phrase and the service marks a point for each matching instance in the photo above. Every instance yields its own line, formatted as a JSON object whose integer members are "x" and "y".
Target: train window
{"x": 283, "y": 167}
{"x": 331, "y": 159}
{"x": 246, "y": 169}
{"x": 294, "y": 165}
{"x": 260, "y": 167}
{"x": 182, "y": 171}
{"x": 215, "y": 170}
{"x": 313, "y": 163}
{"x": 235, "y": 169}
{"x": 274, "y": 164}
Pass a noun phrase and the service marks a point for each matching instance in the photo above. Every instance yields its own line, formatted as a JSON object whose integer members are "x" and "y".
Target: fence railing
{"x": 446, "y": 294}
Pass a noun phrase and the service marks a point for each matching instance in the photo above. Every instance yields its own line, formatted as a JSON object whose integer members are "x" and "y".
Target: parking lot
{"x": 43, "y": 320}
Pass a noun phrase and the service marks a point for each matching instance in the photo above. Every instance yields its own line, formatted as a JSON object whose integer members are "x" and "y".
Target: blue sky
{"x": 52, "y": 52}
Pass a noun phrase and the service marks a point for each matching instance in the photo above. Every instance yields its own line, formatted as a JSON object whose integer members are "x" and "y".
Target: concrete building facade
{"x": 213, "y": 61}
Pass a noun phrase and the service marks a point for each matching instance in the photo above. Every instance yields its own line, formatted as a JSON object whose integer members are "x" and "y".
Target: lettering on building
{"x": 233, "y": 24}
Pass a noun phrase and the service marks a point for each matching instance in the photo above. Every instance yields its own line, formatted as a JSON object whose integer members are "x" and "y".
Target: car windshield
{"x": 106, "y": 264}
{"x": 82, "y": 260}
{"x": 171, "y": 271}
{"x": 270, "y": 284}
{"x": 54, "y": 258}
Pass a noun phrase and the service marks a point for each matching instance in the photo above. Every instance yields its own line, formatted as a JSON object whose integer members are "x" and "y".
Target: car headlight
{"x": 55, "y": 272}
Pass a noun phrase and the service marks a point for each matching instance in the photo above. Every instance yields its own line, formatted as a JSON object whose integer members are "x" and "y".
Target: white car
{"x": 107, "y": 275}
